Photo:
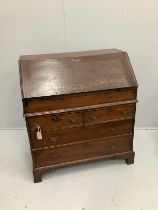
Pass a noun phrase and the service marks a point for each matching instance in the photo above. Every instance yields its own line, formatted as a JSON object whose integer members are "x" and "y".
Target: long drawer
{"x": 78, "y": 100}
{"x": 82, "y": 133}
{"x": 83, "y": 151}
{"x": 53, "y": 121}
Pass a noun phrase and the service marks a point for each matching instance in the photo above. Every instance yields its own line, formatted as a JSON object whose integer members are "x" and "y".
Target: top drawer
{"x": 36, "y": 105}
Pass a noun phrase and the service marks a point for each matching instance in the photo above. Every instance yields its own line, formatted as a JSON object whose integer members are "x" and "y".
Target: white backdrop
{"x": 37, "y": 26}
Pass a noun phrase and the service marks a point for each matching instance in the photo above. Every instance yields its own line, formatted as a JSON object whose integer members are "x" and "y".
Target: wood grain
{"x": 67, "y": 76}
{"x": 83, "y": 151}
{"x": 82, "y": 133}
{"x": 78, "y": 100}
{"x": 82, "y": 103}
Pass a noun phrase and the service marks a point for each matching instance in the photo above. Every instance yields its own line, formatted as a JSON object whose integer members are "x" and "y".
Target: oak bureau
{"x": 79, "y": 107}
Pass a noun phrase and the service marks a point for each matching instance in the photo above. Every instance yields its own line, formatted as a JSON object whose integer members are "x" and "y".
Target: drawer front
{"x": 78, "y": 100}
{"x": 83, "y": 151}
{"x": 76, "y": 134}
{"x": 48, "y": 122}
{"x": 110, "y": 113}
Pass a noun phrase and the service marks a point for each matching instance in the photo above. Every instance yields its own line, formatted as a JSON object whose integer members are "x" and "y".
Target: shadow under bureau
{"x": 79, "y": 107}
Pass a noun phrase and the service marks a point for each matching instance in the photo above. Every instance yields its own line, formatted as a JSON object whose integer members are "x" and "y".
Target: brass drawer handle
{"x": 56, "y": 118}
{"x": 73, "y": 120}
{"x": 113, "y": 130}
{"x": 124, "y": 112}
{"x": 95, "y": 117}
{"x": 54, "y": 138}
{"x": 55, "y": 156}
{"x": 113, "y": 146}
{"x": 85, "y": 144}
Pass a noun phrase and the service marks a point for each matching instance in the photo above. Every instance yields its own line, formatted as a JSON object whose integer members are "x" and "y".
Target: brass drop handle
{"x": 55, "y": 156}
{"x": 56, "y": 118}
{"x": 109, "y": 109}
{"x": 85, "y": 144}
{"x": 124, "y": 112}
{"x": 53, "y": 138}
{"x": 113, "y": 130}
{"x": 73, "y": 120}
{"x": 113, "y": 146}
{"x": 95, "y": 117}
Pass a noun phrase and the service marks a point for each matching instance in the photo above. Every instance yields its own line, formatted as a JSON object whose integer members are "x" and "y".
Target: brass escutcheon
{"x": 56, "y": 118}
{"x": 109, "y": 109}
{"x": 76, "y": 60}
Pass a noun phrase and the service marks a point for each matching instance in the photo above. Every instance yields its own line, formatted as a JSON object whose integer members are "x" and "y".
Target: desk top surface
{"x": 78, "y": 72}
